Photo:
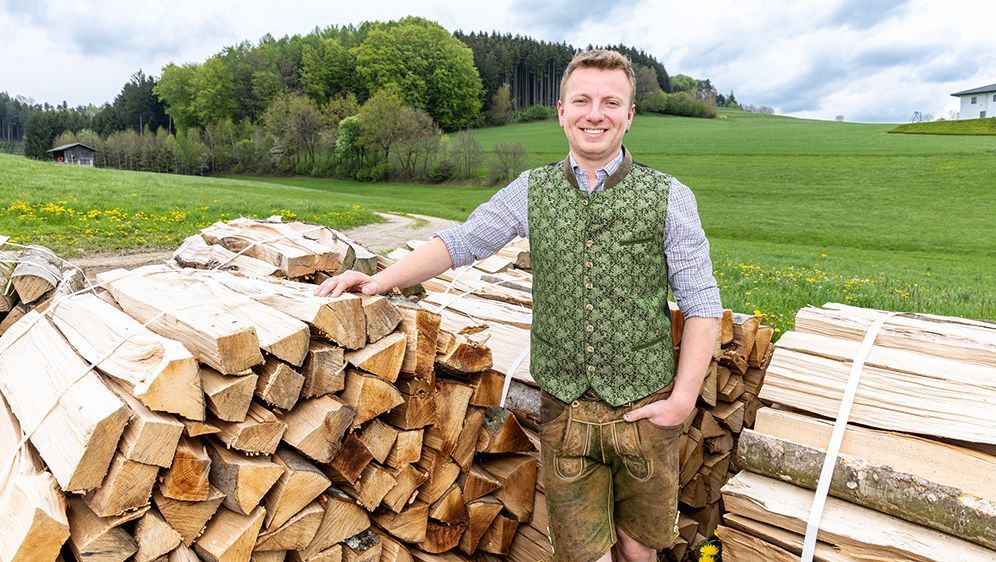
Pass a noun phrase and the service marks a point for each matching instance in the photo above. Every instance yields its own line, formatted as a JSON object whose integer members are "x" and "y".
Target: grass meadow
{"x": 798, "y": 212}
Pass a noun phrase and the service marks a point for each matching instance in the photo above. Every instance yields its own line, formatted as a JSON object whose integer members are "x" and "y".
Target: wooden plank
{"x": 158, "y": 371}
{"x": 77, "y": 436}
{"x": 848, "y": 526}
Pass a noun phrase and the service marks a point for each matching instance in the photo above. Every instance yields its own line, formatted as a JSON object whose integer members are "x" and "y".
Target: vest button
{"x": 584, "y": 202}
{"x": 589, "y": 328}
{"x": 588, "y": 286}
{"x": 591, "y": 368}
{"x": 590, "y": 349}
{"x": 589, "y": 243}
{"x": 589, "y": 307}
{"x": 588, "y": 264}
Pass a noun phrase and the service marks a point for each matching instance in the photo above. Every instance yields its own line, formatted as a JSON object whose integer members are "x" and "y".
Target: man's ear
{"x": 560, "y": 112}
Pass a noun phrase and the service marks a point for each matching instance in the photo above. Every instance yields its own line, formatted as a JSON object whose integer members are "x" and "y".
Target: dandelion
{"x": 823, "y": 255}
{"x": 706, "y": 559}
{"x": 709, "y": 549}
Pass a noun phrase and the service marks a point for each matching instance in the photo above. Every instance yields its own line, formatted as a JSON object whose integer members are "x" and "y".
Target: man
{"x": 613, "y": 402}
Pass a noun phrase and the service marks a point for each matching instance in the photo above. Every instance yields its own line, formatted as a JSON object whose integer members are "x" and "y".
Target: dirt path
{"x": 379, "y": 237}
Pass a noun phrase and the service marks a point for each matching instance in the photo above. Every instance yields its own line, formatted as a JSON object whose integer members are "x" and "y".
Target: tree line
{"x": 370, "y": 102}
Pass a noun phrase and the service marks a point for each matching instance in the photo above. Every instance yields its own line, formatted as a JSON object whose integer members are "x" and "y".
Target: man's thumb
{"x": 637, "y": 414}
{"x": 369, "y": 289}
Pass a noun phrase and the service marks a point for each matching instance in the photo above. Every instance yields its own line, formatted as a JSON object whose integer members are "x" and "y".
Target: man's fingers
{"x": 638, "y": 414}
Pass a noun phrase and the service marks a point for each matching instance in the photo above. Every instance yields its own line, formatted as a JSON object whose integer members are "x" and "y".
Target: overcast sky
{"x": 869, "y": 60}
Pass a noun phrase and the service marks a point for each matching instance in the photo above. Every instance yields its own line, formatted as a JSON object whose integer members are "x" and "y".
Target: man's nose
{"x": 594, "y": 112}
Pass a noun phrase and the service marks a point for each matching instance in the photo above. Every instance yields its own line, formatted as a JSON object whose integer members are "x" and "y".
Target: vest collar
{"x": 613, "y": 180}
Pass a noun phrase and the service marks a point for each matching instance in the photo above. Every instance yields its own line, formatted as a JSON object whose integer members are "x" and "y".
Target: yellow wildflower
{"x": 706, "y": 559}
{"x": 709, "y": 549}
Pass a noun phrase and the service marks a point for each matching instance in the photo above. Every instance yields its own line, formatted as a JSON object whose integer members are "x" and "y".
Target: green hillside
{"x": 798, "y": 212}
{"x": 985, "y": 126}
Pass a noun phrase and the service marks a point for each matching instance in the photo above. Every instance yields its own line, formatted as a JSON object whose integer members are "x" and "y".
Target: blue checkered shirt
{"x": 505, "y": 216}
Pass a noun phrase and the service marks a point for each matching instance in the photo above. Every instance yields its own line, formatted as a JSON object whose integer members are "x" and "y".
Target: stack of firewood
{"x": 232, "y": 417}
{"x": 914, "y": 477}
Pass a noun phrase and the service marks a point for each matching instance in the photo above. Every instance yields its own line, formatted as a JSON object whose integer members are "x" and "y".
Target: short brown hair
{"x": 602, "y": 59}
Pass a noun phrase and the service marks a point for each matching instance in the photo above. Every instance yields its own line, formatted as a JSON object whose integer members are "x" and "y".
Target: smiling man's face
{"x": 595, "y": 113}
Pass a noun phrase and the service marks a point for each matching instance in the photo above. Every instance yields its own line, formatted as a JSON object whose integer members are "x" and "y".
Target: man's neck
{"x": 590, "y": 168}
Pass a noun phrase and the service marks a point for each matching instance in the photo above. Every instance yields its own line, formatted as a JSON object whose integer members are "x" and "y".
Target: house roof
{"x": 70, "y": 145}
{"x": 982, "y": 90}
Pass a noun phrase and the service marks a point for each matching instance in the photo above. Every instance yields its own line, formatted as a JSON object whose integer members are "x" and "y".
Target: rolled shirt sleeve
{"x": 687, "y": 251}
{"x": 491, "y": 226}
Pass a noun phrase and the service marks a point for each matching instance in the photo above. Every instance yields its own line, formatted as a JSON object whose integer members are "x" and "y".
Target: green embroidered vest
{"x": 600, "y": 317}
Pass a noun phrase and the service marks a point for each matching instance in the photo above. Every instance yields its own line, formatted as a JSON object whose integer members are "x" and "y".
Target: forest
{"x": 382, "y": 100}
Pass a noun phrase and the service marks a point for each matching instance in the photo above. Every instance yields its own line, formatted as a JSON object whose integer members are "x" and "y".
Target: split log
{"x": 730, "y": 415}
{"x": 382, "y": 358}
{"x": 408, "y": 479}
{"x": 739, "y": 546}
{"x": 198, "y": 254}
{"x": 441, "y": 538}
{"x": 462, "y": 356}
{"x": 8, "y": 296}
{"x": 155, "y": 537}
{"x": 690, "y": 455}
{"x": 96, "y": 539}
{"x": 468, "y": 440}
{"x": 342, "y": 519}
{"x": 228, "y": 396}
{"x": 197, "y": 428}
{"x": 369, "y": 395}
{"x": 762, "y": 339}
{"x": 316, "y": 427}
{"x": 188, "y": 517}
{"x": 127, "y": 486}
{"x": 407, "y": 448}
{"x": 15, "y": 314}
{"x": 517, "y": 475}
{"x": 150, "y": 437}
{"x": 498, "y": 538}
{"x": 851, "y": 528}
{"x": 278, "y": 384}
{"x": 375, "y": 482}
{"x": 477, "y": 483}
{"x": 745, "y": 328}
{"x": 300, "y": 484}
{"x": 391, "y": 549}
{"x": 187, "y": 478}
{"x": 160, "y": 372}
{"x": 442, "y": 474}
{"x": 275, "y": 243}
{"x": 382, "y": 316}
{"x": 733, "y": 389}
{"x": 33, "y": 520}
{"x": 244, "y": 480}
{"x": 418, "y": 406}
{"x": 481, "y": 512}
{"x": 452, "y": 399}
{"x": 324, "y": 370}
{"x": 339, "y": 319}
{"x": 183, "y": 553}
{"x": 364, "y": 547}
{"x": 348, "y": 463}
{"x": 501, "y": 433}
{"x": 214, "y": 335}
{"x": 379, "y": 439}
{"x": 38, "y": 271}
{"x": 449, "y": 508}
{"x": 77, "y": 436}
{"x": 710, "y": 385}
{"x": 294, "y": 534}
{"x": 230, "y": 536}
{"x": 421, "y": 328}
{"x": 408, "y": 525}
{"x": 260, "y": 432}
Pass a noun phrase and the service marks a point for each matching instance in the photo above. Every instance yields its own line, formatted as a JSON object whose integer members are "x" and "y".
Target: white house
{"x": 977, "y": 102}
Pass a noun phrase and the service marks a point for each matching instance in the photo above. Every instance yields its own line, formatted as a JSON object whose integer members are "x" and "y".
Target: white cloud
{"x": 876, "y": 60}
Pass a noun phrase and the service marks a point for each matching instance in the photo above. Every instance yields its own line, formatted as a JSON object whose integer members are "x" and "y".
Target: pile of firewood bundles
{"x": 491, "y": 302}
{"x": 914, "y": 478}
{"x": 193, "y": 414}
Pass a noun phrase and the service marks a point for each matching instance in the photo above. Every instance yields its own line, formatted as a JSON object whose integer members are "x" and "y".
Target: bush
{"x": 374, "y": 173}
{"x": 535, "y": 113}
{"x": 442, "y": 171}
{"x": 681, "y": 103}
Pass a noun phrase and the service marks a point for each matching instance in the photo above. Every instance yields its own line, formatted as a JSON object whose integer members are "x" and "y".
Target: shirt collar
{"x": 602, "y": 172}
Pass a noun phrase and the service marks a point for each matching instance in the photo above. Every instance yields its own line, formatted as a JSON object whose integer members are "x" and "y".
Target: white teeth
{"x": 594, "y": 131}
